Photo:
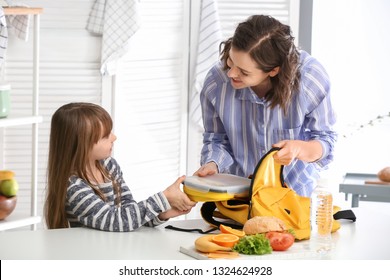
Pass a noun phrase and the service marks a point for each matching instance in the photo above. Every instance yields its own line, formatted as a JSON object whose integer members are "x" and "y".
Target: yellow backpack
{"x": 268, "y": 196}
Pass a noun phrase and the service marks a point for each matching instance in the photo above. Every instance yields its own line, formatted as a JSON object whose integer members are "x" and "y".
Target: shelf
{"x": 16, "y": 221}
{"x": 22, "y": 10}
{"x": 13, "y": 121}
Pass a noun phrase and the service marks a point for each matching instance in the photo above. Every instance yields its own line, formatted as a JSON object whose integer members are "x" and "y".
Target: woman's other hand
{"x": 209, "y": 168}
{"x": 290, "y": 150}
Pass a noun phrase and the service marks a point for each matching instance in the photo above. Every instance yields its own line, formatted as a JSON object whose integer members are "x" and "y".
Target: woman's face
{"x": 244, "y": 71}
{"x": 103, "y": 148}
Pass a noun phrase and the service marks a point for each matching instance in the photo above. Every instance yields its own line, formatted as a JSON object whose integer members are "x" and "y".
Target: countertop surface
{"x": 367, "y": 238}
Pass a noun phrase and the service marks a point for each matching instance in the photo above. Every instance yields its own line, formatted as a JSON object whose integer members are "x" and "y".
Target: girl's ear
{"x": 274, "y": 71}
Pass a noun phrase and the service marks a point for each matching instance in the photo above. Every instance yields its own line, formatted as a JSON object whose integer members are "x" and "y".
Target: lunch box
{"x": 216, "y": 187}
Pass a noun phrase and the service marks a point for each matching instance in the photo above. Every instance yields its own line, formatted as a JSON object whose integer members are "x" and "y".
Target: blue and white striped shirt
{"x": 85, "y": 208}
{"x": 240, "y": 127}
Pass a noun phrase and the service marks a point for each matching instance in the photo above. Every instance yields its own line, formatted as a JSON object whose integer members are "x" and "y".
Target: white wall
{"x": 351, "y": 38}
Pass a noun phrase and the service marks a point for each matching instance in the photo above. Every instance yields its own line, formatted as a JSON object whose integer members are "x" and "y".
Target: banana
{"x": 205, "y": 244}
{"x": 6, "y": 175}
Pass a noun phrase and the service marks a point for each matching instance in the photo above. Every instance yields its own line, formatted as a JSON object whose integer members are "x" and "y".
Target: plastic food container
{"x": 217, "y": 187}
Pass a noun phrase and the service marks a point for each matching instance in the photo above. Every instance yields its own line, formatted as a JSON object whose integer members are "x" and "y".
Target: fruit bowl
{"x": 7, "y": 205}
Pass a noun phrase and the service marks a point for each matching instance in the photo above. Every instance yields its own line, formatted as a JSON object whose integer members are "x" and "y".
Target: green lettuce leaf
{"x": 256, "y": 244}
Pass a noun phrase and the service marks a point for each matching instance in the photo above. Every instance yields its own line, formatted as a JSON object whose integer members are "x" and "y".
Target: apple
{"x": 9, "y": 187}
{"x": 7, "y": 205}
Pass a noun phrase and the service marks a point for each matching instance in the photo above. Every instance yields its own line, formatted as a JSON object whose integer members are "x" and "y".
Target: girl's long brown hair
{"x": 75, "y": 128}
{"x": 270, "y": 44}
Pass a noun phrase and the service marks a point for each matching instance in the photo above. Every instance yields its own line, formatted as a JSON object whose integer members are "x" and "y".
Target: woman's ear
{"x": 274, "y": 71}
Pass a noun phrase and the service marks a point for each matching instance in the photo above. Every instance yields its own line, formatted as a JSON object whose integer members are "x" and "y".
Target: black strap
{"x": 190, "y": 230}
{"x": 345, "y": 214}
{"x": 207, "y": 212}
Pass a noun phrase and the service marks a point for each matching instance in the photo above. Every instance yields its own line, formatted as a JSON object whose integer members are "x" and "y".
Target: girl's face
{"x": 244, "y": 71}
{"x": 103, "y": 148}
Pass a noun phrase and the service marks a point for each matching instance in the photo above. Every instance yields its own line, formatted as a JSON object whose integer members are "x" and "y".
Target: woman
{"x": 266, "y": 93}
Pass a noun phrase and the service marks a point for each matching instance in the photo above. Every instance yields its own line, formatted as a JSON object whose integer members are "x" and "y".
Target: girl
{"x": 266, "y": 93}
{"x": 86, "y": 185}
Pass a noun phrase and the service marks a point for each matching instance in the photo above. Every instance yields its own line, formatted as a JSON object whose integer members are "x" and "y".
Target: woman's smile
{"x": 235, "y": 82}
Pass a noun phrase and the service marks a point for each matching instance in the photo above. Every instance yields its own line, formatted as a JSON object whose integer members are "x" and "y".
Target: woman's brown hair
{"x": 270, "y": 44}
{"x": 75, "y": 128}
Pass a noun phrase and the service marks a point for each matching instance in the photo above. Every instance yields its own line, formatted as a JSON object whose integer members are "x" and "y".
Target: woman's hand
{"x": 209, "y": 168}
{"x": 178, "y": 199}
{"x": 290, "y": 150}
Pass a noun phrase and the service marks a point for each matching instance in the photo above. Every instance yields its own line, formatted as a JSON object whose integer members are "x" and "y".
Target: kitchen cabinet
{"x": 29, "y": 219}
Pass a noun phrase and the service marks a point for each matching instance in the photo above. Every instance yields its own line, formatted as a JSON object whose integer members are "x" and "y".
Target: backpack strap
{"x": 208, "y": 213}
{"x": 215, "y": 227}
{"x": 345, "y": 214}
{"x": 191, "y": 229}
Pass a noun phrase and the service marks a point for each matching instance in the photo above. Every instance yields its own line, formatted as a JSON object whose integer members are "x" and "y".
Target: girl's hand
{"x": 209, "y": 168}
{"x": 178, "y": 199}
{"x": 171, "y": 213}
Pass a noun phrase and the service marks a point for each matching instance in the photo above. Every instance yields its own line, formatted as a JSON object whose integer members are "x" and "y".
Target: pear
{"x": 9, "y": 187}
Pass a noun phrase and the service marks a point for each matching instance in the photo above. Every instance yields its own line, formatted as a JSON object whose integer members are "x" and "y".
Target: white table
{"x": 360, "y": 188}
{"x": 368, "y": 238}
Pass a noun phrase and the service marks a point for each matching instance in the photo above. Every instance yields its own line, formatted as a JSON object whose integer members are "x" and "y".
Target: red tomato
{"x": 280, "y": 241}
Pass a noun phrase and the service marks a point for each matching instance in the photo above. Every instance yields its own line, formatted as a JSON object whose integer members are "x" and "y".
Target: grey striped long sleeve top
{"x": 85, "y": 208}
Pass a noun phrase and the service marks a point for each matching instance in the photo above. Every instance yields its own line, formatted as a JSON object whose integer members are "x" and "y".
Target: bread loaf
{"x": 261, "y": 224}
{"x": 384, "y": 174}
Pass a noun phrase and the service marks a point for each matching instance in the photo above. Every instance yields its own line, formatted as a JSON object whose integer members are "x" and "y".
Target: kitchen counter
{"x": 367, "y": 238}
